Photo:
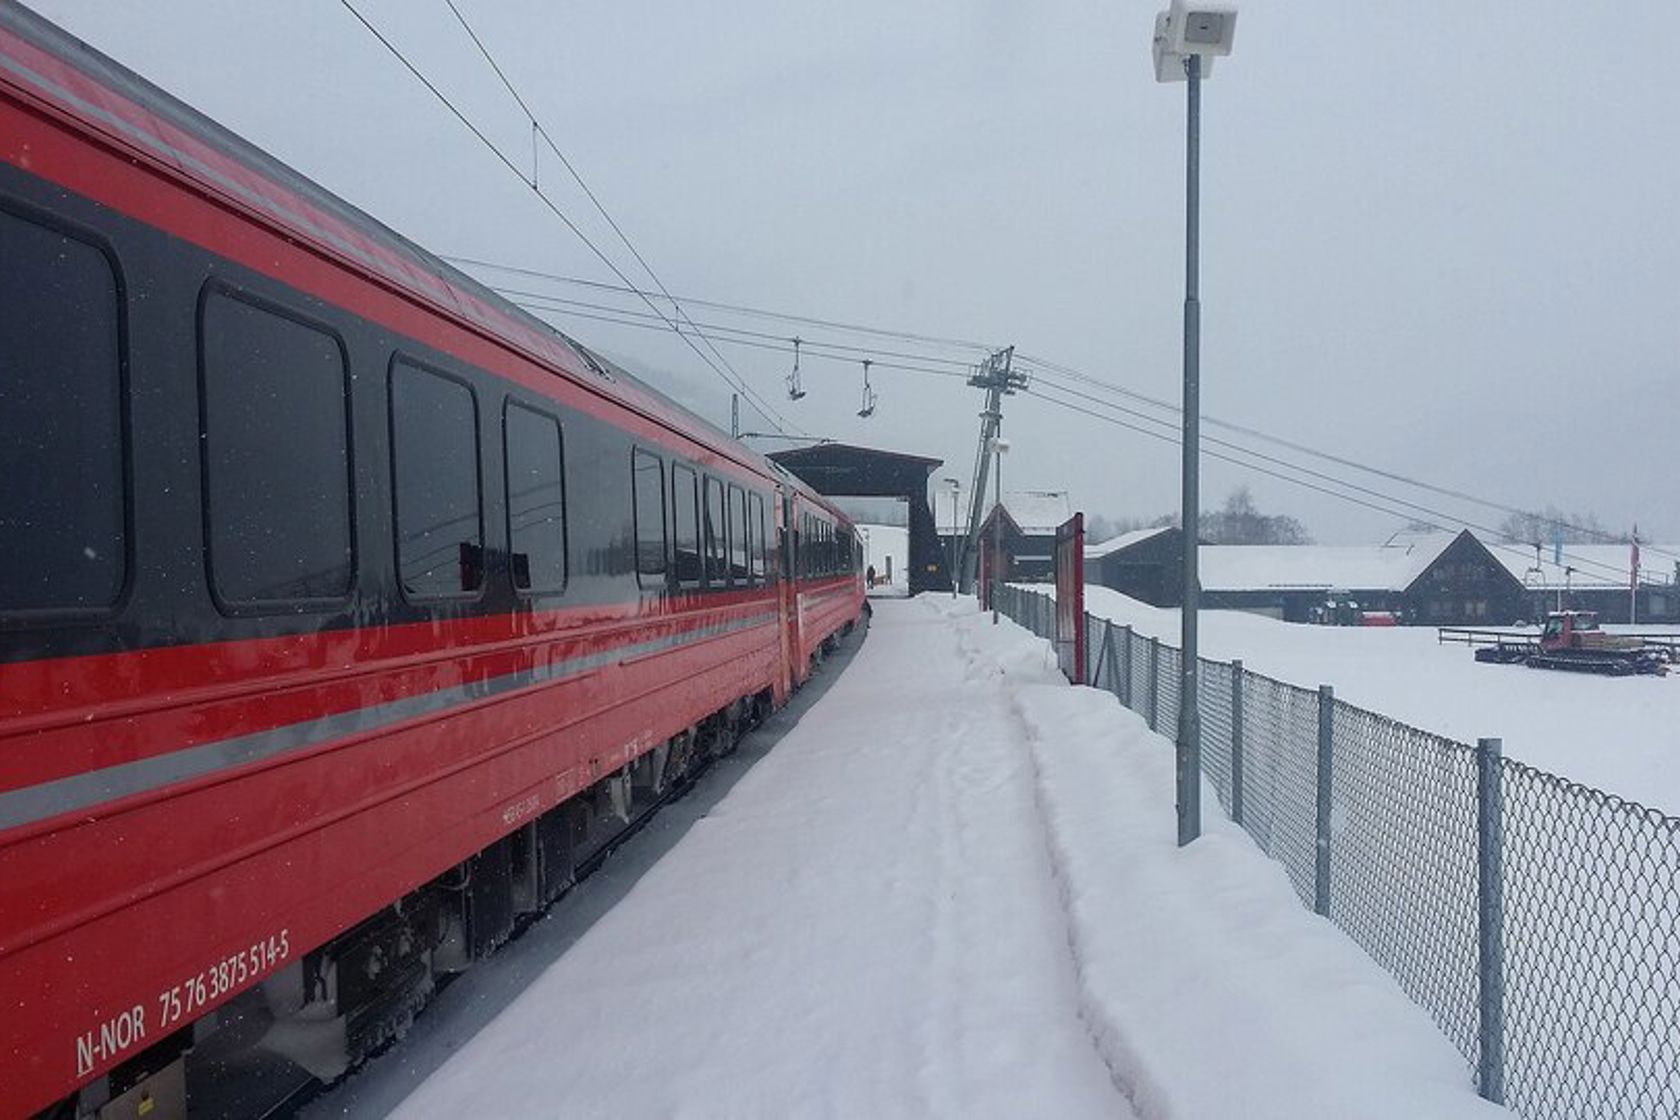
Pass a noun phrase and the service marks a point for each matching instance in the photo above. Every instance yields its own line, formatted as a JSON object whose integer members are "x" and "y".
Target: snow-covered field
{"x": 953, "y": 890}
{"x": 1619, "y": 734}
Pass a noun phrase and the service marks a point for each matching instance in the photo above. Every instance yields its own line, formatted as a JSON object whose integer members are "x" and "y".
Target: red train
{"x": 345, "y": 609}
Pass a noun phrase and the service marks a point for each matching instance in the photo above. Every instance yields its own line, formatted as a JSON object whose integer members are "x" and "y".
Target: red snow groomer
{"x": 1572, "y": 640}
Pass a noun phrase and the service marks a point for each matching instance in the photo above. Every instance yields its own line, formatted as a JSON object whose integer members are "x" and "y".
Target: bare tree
{"x": 1556, "y": 525}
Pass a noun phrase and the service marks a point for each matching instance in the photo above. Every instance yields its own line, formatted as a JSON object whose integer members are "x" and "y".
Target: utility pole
{"x": 997, "y": 376}
{"x": 735, "y": 415}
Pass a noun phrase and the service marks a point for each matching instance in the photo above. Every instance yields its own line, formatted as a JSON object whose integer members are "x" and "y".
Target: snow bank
{"x": 1210, "y": 990}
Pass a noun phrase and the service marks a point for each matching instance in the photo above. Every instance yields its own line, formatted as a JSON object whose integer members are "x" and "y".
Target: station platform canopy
{"x": 840, "y": 470}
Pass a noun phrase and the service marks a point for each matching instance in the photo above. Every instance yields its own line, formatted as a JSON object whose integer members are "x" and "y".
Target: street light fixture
{"x": 999, "y": 447}
{"x": 1188, "y": 37}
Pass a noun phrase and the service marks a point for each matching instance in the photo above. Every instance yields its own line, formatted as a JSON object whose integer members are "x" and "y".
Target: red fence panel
{"x": 1070, "y": 598}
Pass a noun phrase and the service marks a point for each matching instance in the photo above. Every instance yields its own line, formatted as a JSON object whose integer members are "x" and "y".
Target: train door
{"x": 788, "y": 586}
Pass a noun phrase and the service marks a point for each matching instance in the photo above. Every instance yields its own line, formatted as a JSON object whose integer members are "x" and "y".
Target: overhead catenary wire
{"x": 740, "y": 309}
{"x": 756, "y": 340}
{"x": 529, "y": 299}
{"x": 538, "y": 129}
{"x": 736, "y": 382}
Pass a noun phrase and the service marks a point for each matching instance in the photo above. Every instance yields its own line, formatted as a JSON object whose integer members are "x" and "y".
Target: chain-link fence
{"x": 1537, "y": 920}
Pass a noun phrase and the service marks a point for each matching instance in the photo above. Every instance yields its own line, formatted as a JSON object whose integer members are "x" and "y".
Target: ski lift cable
{"x": 1059, "y": 384}
{"x": 782, "y": 346}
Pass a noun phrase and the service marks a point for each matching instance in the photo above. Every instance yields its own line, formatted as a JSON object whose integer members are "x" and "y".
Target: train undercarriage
{"x": 344, "y": 1002}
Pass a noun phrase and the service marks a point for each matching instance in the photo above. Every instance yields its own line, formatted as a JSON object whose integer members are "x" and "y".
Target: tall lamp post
{"x": 1189, "y": 35}
{"x": 999, "y": 447}
{"x": 956, "y": 511}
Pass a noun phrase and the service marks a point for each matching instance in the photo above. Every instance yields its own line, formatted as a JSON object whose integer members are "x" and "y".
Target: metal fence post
{"x": 1490, "y": 923}
{"x": 1104, "y": 655}
{"x": 1237, "y": 741}
{"x": 1154, "y": 680}
{"x": 1125, "y": 692}
{"x": 1326, "y": 728}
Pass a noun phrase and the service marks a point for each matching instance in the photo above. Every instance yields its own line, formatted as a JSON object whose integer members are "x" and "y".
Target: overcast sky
{"x": 1439, "y": 238}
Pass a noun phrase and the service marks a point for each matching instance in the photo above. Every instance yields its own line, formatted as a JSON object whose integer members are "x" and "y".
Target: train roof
{"x": 104, "y": 97}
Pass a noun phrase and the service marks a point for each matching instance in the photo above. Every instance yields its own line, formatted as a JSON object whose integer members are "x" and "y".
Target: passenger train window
{"x": 648, "y": 492}
{"x": 536, "y": 499}
{"x": 276, "y": 455}
{"x": 739, "y": 570}
{"x": 759, "y": 545}
{"x": 685, "y": 525}
{"x": 435, "y": 473}
{"x": 61, "y": 438}
{"x": 717, "y": 569}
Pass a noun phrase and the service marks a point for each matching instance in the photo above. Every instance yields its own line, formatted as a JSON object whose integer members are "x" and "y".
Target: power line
{"x": 539, "y": 129}
{"x": 519, "y": 294}
{"x": 1164, "y": 429}
{"x": 1304, "y": 449}
{"x": 740, "y": 309}
{"x": 1040, "y": 364}
{"x": 1444, "y": 520}
{"x": 738, "y": 385}
{"x": 1169, "y": 431}
{"x": 782, "y": 346}
{"x": 1409, "y": 509}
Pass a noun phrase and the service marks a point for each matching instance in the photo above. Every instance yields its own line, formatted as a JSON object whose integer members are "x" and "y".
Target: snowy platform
{"x": 952, "y": 890}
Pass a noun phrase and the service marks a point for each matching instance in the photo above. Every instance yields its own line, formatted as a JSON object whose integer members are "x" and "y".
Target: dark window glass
{"x": 759, "y": 545}
{"x": 685, "y": 525}
{"x": 434, "y": 452}
{"x": 276, "y": 456}
{"x": 717, "y": 568}
{"x": 536, "y": 482}
{"x": 739, "y": 536}
{"x": 648, "y": 473}
{"x": 61, "y": 447}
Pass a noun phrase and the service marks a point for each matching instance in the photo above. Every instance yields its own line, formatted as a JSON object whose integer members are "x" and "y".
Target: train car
{"x": 827, "y": 559}
{"x": 346, "y": 611}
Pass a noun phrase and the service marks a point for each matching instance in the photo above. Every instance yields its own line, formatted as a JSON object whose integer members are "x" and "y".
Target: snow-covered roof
{"x": 1124, "y": 540}
{"x": 1589, "y": 565}
{"x": 1037, "y": 512}
{"x": 1388, "y": 567}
